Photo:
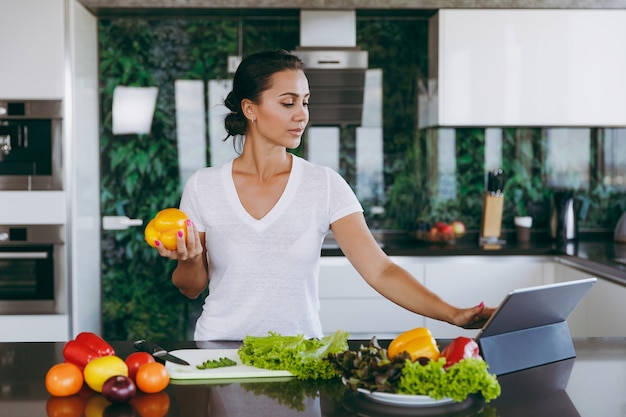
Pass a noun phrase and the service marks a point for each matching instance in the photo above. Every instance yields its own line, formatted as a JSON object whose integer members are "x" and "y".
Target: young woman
{"x": 257, "y": 223}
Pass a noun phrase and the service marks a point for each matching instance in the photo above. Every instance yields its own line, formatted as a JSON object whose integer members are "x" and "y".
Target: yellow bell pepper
{"x": 419, "y": 343}
{"x": 165, "y": 226}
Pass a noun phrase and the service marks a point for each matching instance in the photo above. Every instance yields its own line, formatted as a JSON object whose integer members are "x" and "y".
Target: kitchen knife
{"x": 157, "y": 351}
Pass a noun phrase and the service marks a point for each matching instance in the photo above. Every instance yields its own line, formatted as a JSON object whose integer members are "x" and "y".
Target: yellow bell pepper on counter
{"x": 419, "y": 343}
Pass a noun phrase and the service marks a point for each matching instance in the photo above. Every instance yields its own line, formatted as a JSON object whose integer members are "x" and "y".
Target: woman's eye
{"x": 304, "y": 104}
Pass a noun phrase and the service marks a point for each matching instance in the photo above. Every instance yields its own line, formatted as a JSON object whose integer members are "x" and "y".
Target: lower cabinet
{"x": 578, "y": 321}
{"x": 601, "y": 313}
{"x": 349, "y": 303}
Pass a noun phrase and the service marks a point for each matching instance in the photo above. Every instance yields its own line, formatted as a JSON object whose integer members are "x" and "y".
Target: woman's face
{"x": 283, "y": 112}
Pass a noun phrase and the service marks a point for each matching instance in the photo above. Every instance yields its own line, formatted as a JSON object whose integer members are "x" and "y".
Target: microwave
{"x": 31, "y": 145}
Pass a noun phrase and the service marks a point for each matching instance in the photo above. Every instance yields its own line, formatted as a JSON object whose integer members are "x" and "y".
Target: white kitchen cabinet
{"x": 466, "y": 281}
{"x": 601, "y": 313}
{"x": 26, "y": 207}
{"x": 34, "y": 328}
{"x": 607, "y": 310}
{"x": 526, "y": 67}
{"x": 32, "y": 48}
{"x": 348, "y": 303}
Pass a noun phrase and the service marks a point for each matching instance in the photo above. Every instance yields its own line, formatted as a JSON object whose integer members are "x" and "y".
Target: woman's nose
{"x": 302, "y": 113}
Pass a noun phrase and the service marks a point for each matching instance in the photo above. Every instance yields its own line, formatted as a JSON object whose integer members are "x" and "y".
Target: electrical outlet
{"x": 233, "y": 63}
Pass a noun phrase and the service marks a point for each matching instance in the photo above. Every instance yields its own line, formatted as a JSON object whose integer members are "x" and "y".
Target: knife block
{"x": 491, "y": 225}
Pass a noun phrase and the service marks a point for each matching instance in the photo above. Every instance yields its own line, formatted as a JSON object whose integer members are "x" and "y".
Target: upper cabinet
{"x": 525, "y": 68}
{"x": 32, "y": 48}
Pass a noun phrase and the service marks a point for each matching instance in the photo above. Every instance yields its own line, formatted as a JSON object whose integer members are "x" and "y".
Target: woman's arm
{"x": 191, "y": 274}
{"x": 394, "y": 282}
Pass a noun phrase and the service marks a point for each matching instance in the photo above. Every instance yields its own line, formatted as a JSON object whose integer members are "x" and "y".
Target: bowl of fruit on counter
{"x": 439, "y": 231}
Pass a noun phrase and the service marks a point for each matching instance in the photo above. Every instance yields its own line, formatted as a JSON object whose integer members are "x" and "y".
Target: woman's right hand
{"x": 185, "y": 251}
{"x": 191, "y": 274}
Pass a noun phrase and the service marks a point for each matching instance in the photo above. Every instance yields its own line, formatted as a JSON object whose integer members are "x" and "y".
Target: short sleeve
{"x": 189, "y": 203}
{"x": 341, "y": 199}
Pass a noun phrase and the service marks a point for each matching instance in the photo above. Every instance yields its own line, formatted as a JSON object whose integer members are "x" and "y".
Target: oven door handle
{"x": 23, "y": 255}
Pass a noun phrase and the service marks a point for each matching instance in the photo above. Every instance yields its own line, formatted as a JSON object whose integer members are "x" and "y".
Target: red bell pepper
{"x": 78, "y": 353}
{"x": 85, "y": 347}
{"x": 96, "y": 343}
{"x": 460, "y": 348}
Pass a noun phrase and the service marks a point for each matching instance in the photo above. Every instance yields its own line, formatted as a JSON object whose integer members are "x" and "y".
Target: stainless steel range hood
{"x": 335, "y": 66}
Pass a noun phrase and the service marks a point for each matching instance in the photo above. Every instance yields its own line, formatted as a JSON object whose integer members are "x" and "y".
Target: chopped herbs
{"x": 216, "y": 363}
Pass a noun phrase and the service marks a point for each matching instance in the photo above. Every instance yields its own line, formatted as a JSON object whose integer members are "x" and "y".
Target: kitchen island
{"x": 590, "y": 385}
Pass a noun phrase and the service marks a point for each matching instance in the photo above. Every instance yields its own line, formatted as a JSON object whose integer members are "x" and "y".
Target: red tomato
{"x": 64, "y": 379}
{"x": 135, "y": 360}
{"x": 152, "y": 377}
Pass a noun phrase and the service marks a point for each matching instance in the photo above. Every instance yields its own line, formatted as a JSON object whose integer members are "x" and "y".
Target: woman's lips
{"x": 296, "y": 132}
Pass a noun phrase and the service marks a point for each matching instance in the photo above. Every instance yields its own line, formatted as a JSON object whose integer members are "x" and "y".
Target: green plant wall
{"x": 140, "y": 172}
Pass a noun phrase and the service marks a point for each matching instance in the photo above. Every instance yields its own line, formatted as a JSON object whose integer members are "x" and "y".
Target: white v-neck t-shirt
{"x": 263, "y": 273}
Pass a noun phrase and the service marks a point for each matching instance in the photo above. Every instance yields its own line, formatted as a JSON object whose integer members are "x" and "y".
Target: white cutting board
{"x": 198, "y": 356}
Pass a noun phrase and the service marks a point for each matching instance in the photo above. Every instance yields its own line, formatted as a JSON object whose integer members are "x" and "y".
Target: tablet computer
{"x": 529, "y": 327}
{"x": 529, "y": 307}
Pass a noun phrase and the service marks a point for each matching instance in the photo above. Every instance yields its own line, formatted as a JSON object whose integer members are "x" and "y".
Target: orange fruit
{"x": 64, "y": 379}
{"x": 152, "y": 377}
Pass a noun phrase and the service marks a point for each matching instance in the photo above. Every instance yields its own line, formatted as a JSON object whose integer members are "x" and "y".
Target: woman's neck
{"x": 263, "y": 165}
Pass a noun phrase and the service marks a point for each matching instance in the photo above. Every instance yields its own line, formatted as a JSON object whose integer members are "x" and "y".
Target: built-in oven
{"x": 31, "y": 145}
{"x": 32, "y": 269}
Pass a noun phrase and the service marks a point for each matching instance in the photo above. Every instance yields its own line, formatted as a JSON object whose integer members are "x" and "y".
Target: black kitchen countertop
{"x": 593, "y": 252}
{"x": 590, "y": 385}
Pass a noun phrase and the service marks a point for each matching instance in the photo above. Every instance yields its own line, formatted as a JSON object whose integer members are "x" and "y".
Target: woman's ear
{"x": 248, "y": 110}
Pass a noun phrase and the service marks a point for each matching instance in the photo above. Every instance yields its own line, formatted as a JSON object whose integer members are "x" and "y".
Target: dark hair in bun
{"x": 252, "y": 78}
